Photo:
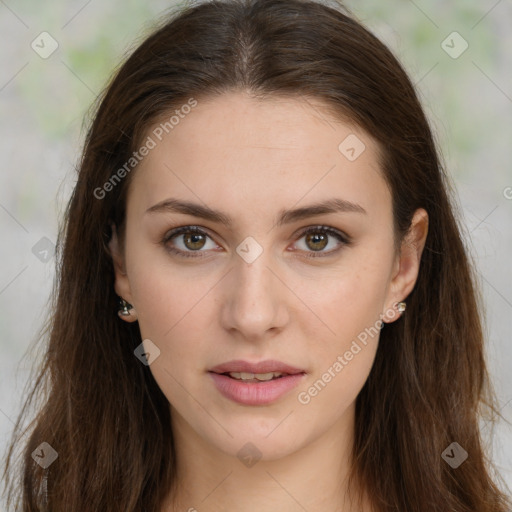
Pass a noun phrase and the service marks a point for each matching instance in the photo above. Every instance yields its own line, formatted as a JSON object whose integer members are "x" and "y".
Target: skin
{"x": 251, "y": 159}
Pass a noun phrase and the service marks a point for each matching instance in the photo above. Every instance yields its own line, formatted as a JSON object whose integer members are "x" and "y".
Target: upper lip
{"x": 266, "y": 366}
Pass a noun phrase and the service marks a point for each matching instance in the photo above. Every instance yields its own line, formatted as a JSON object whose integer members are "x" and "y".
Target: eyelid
{"x": 330, "y": 230}
{"x": 343, "y": 238}
{"x": 181, "y": 230}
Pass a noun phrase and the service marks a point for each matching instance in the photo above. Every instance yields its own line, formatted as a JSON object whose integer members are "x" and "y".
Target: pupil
{"x": 194, "y": 236}
{"x": 316, "y": 237}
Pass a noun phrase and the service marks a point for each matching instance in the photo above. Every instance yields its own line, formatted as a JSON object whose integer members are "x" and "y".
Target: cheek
{"x": 171, "y": 314}
{"x": 351, "y": 298}
{"x": 173, "y": 310}
{"x": 351, "y": 307}
{"x": 160, "y": 292}
{"x": 343, "y": 360}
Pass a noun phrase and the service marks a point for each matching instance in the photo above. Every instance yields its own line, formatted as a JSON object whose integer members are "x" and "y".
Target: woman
{"x": 263, "y": 300}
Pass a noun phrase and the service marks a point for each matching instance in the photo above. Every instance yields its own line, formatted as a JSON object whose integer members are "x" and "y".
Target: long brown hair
{"x": 102, "y": 411}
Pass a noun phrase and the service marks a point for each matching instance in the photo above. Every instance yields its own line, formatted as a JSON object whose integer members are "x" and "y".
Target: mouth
{"x": 263, "y": 370}
{"x": 255, "y": 377}
{"x": 255, "y": 383}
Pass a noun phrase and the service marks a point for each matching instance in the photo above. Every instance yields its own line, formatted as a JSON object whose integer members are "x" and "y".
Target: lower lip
{"x": 255, "y": 393}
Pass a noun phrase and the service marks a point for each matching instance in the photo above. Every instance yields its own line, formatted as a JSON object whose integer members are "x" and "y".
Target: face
{"x": 266, "y": 279}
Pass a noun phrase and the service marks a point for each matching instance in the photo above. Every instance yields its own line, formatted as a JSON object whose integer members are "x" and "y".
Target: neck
{"x": 313, "y": 477}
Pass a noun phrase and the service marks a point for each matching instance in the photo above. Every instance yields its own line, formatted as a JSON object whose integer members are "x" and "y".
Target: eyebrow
{"x": 335, "y": 205}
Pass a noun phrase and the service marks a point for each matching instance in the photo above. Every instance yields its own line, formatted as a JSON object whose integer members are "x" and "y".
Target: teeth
{"x": 257, "y": 376}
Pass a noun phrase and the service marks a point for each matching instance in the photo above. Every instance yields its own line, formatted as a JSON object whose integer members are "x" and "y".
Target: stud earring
{"x": 400, "y": 307}
{"x": 125, "y": 308}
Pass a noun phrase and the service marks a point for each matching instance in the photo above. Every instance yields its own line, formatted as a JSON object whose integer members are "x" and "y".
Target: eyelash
{"x": 341, "y": 237}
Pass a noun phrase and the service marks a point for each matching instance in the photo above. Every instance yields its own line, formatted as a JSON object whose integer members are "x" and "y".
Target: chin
{"x": 250, "y": 449}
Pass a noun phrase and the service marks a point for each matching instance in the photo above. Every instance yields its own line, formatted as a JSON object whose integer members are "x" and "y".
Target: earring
{"x": 401, "y": 307}
{"x": 125, "y": 308}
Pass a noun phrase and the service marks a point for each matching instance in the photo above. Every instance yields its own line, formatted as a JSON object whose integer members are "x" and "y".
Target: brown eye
{"x": 316, "y": 239}
{"x": 193, "y": 241}
{"x": 187, "y": 241}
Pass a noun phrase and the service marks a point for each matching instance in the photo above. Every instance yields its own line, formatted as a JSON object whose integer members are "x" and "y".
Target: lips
{"x": 255, "y": 383}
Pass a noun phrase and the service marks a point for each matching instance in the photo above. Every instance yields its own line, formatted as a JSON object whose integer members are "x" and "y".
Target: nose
{"x": 255, "y": 303}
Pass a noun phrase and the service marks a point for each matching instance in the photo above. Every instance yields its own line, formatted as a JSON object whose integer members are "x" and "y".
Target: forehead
{"x": 236, "y": 151}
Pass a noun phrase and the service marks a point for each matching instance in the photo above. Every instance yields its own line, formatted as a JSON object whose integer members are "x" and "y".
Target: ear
{"x": 407, "y": 264}
{"x": 121, "y": 283}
